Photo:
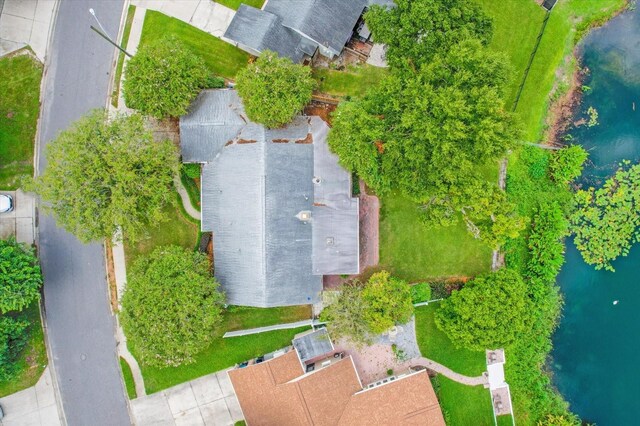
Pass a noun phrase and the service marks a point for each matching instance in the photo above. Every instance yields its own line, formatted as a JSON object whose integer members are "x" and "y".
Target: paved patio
{"x": 209, "y": 400}
{"x": 20, "y": 221}
{"x": 35, "y": 406}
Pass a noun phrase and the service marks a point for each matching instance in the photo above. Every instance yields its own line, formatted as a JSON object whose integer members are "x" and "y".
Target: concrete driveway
{"x": 19, "y": 223}
{"x": 209, "y": 400}
{"x": 35, "y": 406}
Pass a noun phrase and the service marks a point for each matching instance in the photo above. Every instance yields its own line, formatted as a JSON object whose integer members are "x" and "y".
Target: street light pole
{"x": 105, "y": 34}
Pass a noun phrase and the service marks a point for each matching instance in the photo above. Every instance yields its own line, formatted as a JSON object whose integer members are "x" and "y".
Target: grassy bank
{"x": 20, "y": 76}
{"x": 224, "y": 353}
{"x": 354, "y": 81}
{"x": 33, "y": 359}
{"x": 461, "y": 404}
{"x": 125, "y": 39}
{"x": 178, "y": 230}
{"x": 222, "y": 58}
{"x": 127, "y": 376}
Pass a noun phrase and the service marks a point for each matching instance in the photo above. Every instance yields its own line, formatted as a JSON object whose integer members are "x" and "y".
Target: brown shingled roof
{"x": 278, "y": 392}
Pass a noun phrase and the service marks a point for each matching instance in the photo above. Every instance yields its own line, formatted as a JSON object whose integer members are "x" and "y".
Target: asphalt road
{"x": 81, "y": 329}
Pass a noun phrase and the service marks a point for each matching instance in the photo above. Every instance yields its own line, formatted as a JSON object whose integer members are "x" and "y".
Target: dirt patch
{"x": 167, "y": 129}
{"x": 243, "y": 141}
{"x": 562, "y": 111}
{"x": 307, "y": 140}
{"x": 320, "y": 109}
{"x": 280, "y": 140}
{"x": 111, "y": 277}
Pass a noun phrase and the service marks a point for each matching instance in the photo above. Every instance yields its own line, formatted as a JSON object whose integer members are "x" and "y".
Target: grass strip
{"x": 192, "y": 189}
{"x": 125, "y": 39}
{"x": 127, "y": 375}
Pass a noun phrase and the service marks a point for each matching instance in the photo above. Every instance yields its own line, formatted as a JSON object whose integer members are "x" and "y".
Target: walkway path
{"x": 205, "y": 15}
{"x": 447, "y": 372}
{"x": 34, "y": 406}
{"x": 186, "y": 201}
{"x": 208, "y": 400}
{"x": 25, "y": 23}
{"x": 286, "y": 326}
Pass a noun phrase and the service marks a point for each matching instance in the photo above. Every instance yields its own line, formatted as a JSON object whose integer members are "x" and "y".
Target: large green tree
{"x": 360, "y": 311}
{"x": 606, "y": 221}
{"x": 388, "y": 301}
{"x": 415, "y": 30}
{"x": 13, "y": 338}
{"x": 430, "y": 132}
{"x": 488, "y": 312}
{"x": 102, "y": 175}
{"x": 171, "y": 306}
{"x": 566, "y": 164}
{"x": 274, "y": 89}
{"x": 163, "y": 78}
{"x": 20, "y": 276}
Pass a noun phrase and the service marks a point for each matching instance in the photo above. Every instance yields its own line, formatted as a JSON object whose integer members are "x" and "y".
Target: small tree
{"x": 388, "y": 302}
{"x": 346, "y": 316}
{"x": 101, "y": 176}
{"x": 171, "y": 306}
{"x": 20, "y": 276}
{"x": 274, "y": 89}
{"x": 566, "y": 164}
{"x": 163, "y": 78}
{"x": 13, "y": 338}
{"x": 489, "y": 312}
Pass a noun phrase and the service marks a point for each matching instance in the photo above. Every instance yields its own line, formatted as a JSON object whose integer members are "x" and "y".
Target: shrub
{"x": 192, "y": 170}
{"x": 13, "y": 339}
{"x": 214, "y": 82}
{"x": 566, "y": 164}
{"x": 420, "y": 292}
{"x": 387, "y": 300}
{"x": 274, "y": 89}
{"x": 20, "y": 276}
{"x": 163, "y": 78}
{"x": 171, "y": 306}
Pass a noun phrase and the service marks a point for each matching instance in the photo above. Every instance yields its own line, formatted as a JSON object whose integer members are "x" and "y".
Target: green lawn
{"x": 192, "y": 189}
{"x": 20, "y": 77}
{"x": 415, "y": 252}
{"x": 128, "y": 379}
{"x": 505, "y": 420}
{"x": 463, "y": 405}
{"x": 125, "y": 39}
{"x": 34, "y": 356}
{"x": 354, "y": 81}
{"x": 176, "y": 231}
{"x": 516, "y": 27}
{"x": 224, "y": 353}
{"x": 235, "y": 4}
{"x": 222, "y": 58}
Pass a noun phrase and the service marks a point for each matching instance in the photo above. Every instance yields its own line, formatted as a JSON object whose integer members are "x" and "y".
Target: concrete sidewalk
{"x": 205, "y": 15}
{"x": 35, "y": 406}
{"x": 26, "y": 23}
{"x": 209, "y": 400}
{"x": 20, "y": 222}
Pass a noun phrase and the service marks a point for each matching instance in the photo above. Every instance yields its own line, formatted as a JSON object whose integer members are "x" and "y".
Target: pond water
{"x": 596, "y": 357}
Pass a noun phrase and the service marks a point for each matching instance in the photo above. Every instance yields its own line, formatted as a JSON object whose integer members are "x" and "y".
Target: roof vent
{"x": 317, "y": 180}
{"x": 304, "y": 216}
{"x": 330, "y": 241}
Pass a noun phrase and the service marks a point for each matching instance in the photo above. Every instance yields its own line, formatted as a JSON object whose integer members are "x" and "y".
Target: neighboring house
{"x": 297, "y": 28}
{"x": 326, "y": 390}
{"x": 277, "y": 202}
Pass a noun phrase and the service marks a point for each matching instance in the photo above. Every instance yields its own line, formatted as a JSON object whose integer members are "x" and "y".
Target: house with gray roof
{"x": 276, "y": 201}
{"x": 297, "y": 28}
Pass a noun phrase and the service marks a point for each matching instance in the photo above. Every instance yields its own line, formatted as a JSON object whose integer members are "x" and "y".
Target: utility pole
{"x": 104, "y": 33}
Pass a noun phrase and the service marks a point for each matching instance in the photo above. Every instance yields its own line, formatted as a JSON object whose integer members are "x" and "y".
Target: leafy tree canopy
{"x": 490, "y": 311}
{"x": 606, "y": 221}
{"x": 13, "y": 338}
{"x": 163, "y": 78}
{"x": 429, "y": 133}
{"x": 388, "y": 302}
{"x": 566, "y": 164}
{"x": 415, "y": 30}
{"x": 274, "y": 89}
{"x": 171, "y": 306}
{"x": 363, "y": 310}
{"x": 20, "y": 276}
{"x": 104, "y": 175}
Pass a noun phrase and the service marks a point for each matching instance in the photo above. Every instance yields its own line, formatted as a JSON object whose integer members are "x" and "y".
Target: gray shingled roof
{"x": 313, "y": 344}
{"x": 255, "y": 184}
{"x": 327, "y": 22}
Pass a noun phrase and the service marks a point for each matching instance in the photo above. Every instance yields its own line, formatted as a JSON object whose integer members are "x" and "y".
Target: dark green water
{"x": 596, "y": 357}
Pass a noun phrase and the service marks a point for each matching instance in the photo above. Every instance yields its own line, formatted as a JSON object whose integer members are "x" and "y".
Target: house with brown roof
{"x": 326, "y": 390}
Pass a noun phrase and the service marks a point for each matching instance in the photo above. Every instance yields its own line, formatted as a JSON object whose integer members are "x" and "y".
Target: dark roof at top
{"x": 256, "y": 183}
{"x": 327, "y": 22}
